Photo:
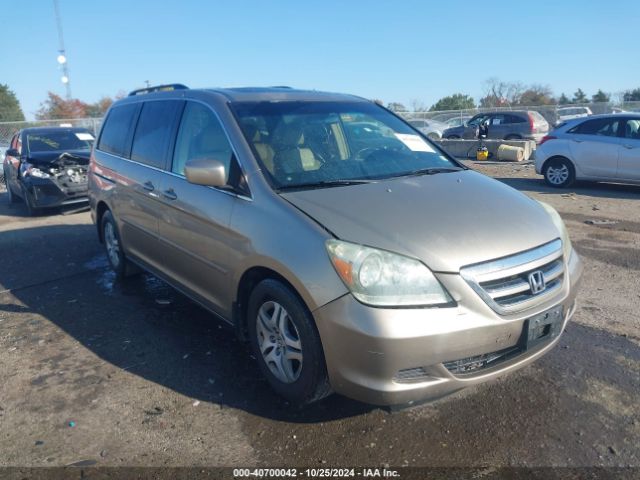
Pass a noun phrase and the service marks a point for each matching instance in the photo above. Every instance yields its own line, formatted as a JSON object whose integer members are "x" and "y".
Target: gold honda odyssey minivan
{"x": 351, "y": 252}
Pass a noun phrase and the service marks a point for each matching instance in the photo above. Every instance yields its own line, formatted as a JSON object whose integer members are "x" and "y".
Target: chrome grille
{"x": 505, "y": 283}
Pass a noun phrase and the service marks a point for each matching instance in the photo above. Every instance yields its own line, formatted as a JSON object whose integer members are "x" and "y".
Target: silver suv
{"x": 507, "y": 125}
{"x": 352, "y": 253}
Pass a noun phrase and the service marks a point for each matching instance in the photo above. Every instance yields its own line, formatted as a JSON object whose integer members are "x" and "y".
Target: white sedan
{"x": 599, "y": 148}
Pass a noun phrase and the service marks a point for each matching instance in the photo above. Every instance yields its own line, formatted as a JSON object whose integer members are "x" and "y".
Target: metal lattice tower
{"x": 62, "y": 57}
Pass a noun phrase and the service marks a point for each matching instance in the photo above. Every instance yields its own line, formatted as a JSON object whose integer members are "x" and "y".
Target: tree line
{"x": 54, "y": 107}
{"x": 496, "y": 93}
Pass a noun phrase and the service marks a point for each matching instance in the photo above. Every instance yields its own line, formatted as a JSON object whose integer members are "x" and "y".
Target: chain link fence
{"x": 549, "y": 112}
{"x": 453, "y": 117}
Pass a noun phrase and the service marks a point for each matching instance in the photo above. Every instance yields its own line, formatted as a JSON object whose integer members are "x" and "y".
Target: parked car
{"x": 568, "y": 113}
{"x": 601, "y": 148}
{"x": 458, "y": 121}
{"x": 47, "y": 166}
{"x": 508, "y": 125}
{"x": 3, "y": 149}
{"x": 343, "y": 258}
{"x": 431, "y": 128}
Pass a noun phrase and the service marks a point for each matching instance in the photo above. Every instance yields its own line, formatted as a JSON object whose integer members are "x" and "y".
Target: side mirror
{"x": 12, "y": 152}
{"x": 206, "y": 171}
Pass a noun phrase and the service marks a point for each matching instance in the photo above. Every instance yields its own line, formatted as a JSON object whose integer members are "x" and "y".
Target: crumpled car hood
{"x": 59, "y": 158}
{"x": 447, "y": 220}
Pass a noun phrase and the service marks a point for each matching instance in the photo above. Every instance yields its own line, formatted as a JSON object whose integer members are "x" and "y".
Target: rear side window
{"x": 632, "y": 129}
{"x": 117, "y": 127}
{"x": 153, "y": 133}
{"x": 607, "y": 127}
{"x": 514, "y": 119}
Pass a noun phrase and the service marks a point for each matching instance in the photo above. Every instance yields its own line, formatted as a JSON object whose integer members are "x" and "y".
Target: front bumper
{"x": 370, "y": 350}
{"x": 49, "y": 192}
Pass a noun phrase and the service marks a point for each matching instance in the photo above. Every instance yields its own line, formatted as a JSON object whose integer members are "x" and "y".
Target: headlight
{"x": 564, "y": 234}
{"x": 34, "y": 172}
{"x": 380, "y": 278}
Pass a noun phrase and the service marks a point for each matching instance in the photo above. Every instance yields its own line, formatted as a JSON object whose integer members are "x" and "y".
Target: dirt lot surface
{"x": 132, "y": 373}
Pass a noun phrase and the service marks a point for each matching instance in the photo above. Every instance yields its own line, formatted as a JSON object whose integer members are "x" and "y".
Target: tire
{"x": 11, "y": 196}
{"x": 32, "y": 210}
{"x": 280, "y": 322}
{"x": 453, "y": 137}
{"x": 113, "y": 247}
{"x": 559, "y": 172}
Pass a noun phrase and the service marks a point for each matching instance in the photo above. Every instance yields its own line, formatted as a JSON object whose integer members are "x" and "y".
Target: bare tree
{"x": 500, "y": 94}
{"x": 418, "y": 105}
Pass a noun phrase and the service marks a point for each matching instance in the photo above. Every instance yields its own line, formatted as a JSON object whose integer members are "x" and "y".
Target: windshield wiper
{"x": 325, "y": 184}
{"x": 430, "y": 171}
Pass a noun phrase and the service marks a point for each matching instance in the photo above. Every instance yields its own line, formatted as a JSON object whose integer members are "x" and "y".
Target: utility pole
{"x": 62, "y": 57}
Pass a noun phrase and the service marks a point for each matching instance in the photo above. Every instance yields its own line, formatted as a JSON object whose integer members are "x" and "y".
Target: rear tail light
{"x": 532, "y": 124}
{"x": 547, "y": 138}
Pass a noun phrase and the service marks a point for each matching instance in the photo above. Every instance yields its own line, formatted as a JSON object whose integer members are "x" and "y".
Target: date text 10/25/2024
{"x": 315, "y": 473}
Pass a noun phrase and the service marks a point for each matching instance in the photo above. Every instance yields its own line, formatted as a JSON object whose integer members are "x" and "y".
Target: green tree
{"x": 537, "y": 95}
{"x": 600, "y": 97}
{"x": 580, "y": 97}
{"x": 10, "y": 110}
{"x": 396, "y": 107}
{"x": 457, "y": 101}
{"x": 632, "y": 95}
{"x": 564, "y": 100}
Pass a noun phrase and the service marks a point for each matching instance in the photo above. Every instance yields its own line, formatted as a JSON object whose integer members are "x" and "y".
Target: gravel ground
{"x": 132, "y": 373}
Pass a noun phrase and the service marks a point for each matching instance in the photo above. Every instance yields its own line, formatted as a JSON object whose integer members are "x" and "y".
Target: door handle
{"x": 148, "y": 186}
{"x": 169, "y": 194}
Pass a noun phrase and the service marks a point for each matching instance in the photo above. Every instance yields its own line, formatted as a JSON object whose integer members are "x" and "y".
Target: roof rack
{"x": 159, "y": 88}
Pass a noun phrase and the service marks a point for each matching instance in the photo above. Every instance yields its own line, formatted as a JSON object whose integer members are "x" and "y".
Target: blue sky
{"x": 392, "y": 50}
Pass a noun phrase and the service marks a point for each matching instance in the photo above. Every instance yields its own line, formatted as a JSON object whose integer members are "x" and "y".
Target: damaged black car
{"x": 47, "y": 167}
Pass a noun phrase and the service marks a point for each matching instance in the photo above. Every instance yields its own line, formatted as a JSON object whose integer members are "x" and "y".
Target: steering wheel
{"x": 363, "y": 153}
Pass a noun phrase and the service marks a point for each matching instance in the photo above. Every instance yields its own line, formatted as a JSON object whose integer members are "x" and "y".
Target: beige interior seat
{"x": 291, "y": 156}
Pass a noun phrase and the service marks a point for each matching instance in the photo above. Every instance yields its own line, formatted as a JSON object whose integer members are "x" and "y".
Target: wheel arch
{"x": 248, "y": 281}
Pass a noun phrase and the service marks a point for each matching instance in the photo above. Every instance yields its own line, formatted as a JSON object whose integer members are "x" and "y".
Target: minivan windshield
{"x": 323, "y": 144}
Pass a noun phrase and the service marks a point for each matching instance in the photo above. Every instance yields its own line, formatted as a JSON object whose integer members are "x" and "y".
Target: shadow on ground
{"x": 141, "y": 324}
{"x": 587, "y": 189}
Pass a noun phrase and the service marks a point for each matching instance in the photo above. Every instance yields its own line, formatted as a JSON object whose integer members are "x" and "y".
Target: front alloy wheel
{"x": 559, "y": 173}
{"x": 286, "y": 343}
{"x": 279, "y": 342}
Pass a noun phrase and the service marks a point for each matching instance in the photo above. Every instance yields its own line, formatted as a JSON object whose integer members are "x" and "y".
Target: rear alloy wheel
{"x": 286, "y": 343}
{"x": 113, "y": 247}
{"x": 559, "y": 173}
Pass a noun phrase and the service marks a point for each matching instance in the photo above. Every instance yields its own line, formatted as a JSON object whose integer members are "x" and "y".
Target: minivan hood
{"x": 447, "y": 220}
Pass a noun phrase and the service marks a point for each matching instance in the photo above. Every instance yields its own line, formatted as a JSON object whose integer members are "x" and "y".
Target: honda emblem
{"x": 536, "y": 282}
